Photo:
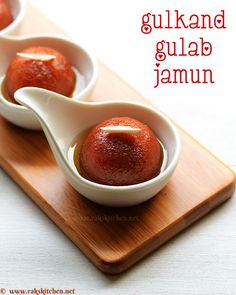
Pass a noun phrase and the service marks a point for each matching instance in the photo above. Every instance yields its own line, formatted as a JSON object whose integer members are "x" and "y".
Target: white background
{"x": 202, "y": 260}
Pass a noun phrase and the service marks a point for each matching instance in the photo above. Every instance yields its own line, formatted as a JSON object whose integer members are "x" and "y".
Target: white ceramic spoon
{"x": 80, "y": 59}
{"x": 63, "y": 120}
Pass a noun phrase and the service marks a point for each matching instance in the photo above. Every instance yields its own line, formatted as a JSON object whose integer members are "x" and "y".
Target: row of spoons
{"x": 63, "y": 119}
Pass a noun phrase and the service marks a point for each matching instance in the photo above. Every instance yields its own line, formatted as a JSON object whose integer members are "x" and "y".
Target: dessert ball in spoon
{"x": 40, "y": 67}
{"x": 5, "y": 14}
{"x": 120, "y": 151}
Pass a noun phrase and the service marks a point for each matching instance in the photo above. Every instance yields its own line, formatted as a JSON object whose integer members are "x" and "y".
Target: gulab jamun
{"x": 28, "y": 69}
{"x": 120, "y": 158}
{"x": 5, "y": 14}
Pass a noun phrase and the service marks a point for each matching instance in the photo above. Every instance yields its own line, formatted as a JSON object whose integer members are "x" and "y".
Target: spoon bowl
{"x": 81, "y": 60}
{"x": 63, "y": 120}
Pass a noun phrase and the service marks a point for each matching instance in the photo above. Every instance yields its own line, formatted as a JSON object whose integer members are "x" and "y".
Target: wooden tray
{"x": 113, "y": 239}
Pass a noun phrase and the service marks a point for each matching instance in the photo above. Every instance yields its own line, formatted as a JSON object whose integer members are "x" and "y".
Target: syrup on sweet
{"x": 41, "y": 67}
{"x": 129, "y": 154}
{"x": 5, "y": 14}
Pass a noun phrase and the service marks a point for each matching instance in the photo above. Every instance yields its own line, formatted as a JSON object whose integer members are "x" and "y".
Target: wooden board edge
{"x": 48, "y": 211}
{"x": 120, "y": 265}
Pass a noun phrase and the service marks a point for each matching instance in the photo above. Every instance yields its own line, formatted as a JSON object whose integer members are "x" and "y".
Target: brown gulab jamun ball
{"x": 5, "y": 14}
{"x": 52, "y": 74}
{"x": 120, "y": 158}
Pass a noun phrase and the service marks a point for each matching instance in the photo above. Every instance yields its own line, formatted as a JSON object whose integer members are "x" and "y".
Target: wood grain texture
{"x": 113, "y": 239}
